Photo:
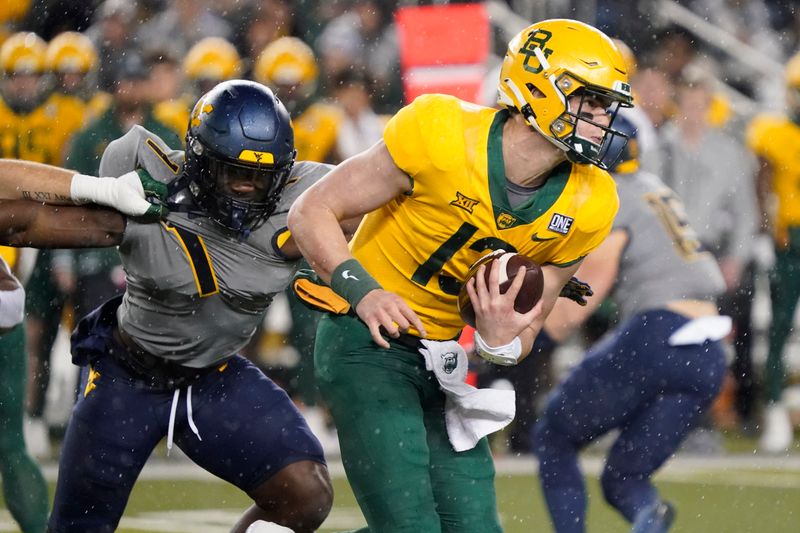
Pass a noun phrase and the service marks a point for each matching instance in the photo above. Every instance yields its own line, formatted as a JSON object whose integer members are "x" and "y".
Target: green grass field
{"x": 734, "y": 496}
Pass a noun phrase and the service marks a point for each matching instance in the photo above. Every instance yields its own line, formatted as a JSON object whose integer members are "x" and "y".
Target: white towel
{"x": 469, "y": 413}
{"x": 699, "y": 330}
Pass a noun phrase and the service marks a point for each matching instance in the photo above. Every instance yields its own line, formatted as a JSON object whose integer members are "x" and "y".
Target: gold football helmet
{"x": 71, "y": 52}
{"x": 23, "y": 53}
{"x": 286, "y": 61}
{"x": 551, "y": 61}
{"x": 627, "y": 56}
{"x": 212, "y": 59}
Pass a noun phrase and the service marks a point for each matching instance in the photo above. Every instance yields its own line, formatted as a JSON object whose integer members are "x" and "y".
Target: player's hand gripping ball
{"x": 529, "y": 294}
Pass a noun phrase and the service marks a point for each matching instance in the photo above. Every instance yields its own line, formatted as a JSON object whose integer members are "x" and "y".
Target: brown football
{"x": 529, "y": 294}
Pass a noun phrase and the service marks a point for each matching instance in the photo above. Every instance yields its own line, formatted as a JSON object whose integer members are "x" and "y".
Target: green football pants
{"x": 24, "y": 488}
{"x": 785, "y": 290}
{"x": 389, "y": 412}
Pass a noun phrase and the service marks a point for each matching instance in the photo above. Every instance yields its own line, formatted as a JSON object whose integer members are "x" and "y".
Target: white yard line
{"x": 681, "y": 466}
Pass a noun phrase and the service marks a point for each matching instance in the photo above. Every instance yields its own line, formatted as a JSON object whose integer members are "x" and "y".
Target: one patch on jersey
{"x": 464, "y": 202}
{"x": 504, "y": 220}
{"x": 560, "y": 223}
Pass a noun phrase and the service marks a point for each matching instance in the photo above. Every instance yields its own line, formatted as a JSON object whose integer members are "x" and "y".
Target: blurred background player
{"x": 36, "y": 124}
{"x": 208, "y": 62}
{"x": 361, "y": 126}
{"x": 712, "y": 172}
{"x": 775, "y": 139}
{"x": 72, "y": 60}
{"x": 24, "y": 488}
{"x": 653, "y": 375}
{"x": 289, "y": 67}
{"x": 166, "y": 82}
{"x": 113, "y": 34}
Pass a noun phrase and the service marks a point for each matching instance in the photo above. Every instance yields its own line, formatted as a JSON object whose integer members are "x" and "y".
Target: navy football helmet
{"x": 621, "y": 153}
{"x": 239, "y": 154}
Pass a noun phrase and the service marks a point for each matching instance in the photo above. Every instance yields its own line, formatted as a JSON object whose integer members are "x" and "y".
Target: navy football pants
{"x": 249, "y": 428}
{"x": 635, "y": 381}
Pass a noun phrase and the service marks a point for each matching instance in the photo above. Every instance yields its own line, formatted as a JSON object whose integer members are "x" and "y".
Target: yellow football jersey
{"x": 315, "y": 132}
{"x": 41, "y": 135}
{"x": 777, "y": 139}
{"x": 421, "y": 245}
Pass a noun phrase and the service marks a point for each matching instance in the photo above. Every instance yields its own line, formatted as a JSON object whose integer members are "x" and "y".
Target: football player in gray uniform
{"x": 650, "y": 377}
{"x": 161, "y": 361}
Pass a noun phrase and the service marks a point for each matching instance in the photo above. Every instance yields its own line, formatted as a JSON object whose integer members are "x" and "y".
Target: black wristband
{"x": 352, "y": 282}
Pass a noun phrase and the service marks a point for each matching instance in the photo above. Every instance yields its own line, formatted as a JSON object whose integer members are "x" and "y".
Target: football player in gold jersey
{"x": 36, "y": 124}
{"x": 289, "y": 67}
{"x": 33, "y": 125}
{"x": 208, "y": 62}
{"x": 72, "y": 59}
{"x": 779, "y": 174}
{"x": 449, "y": 182}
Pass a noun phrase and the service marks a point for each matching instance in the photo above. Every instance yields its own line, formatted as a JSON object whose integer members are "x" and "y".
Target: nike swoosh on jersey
{"x": 535, "y": 238}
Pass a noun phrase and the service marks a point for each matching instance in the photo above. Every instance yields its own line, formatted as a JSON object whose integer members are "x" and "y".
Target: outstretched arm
{"x": 36, "y": 225}
{"x": 25, "y": 180}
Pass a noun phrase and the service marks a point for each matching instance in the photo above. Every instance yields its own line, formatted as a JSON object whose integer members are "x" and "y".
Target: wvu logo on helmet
{"x": 198, "y": 111}
{"x": 261, "y": 158}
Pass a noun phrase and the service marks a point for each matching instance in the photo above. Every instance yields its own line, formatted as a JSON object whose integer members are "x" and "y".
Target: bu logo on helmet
{"x": 536, "y": 39}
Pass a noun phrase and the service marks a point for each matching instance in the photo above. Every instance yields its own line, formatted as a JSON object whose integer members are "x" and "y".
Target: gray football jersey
{"x": 664, "y": 259}
{"x": 195, "y": 293}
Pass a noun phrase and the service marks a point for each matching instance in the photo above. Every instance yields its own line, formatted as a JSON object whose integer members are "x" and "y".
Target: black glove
{"x": 576, "y": 290}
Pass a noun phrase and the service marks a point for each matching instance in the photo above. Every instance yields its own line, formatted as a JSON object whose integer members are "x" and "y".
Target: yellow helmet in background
{"x": 212, "y": 58}
{"x": 286, "y": 61}
{"x": 13, "y": 10}
{"x": 23, "y": 52}
{"x": 71, "y": 52}
{"x": 627, "y": 56}
{"x": 550, "y": 61}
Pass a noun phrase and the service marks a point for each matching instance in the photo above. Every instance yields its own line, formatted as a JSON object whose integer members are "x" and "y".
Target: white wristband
{"x": 506, "y": 355}
{"x": 12, "y": 307}
{"x": 125, "y": 194}
{"x": 84, "y": 189}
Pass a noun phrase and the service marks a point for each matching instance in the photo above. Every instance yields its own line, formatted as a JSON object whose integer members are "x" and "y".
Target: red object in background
{"x": 443, "y": 49}
{"x": 467, "y": 341}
